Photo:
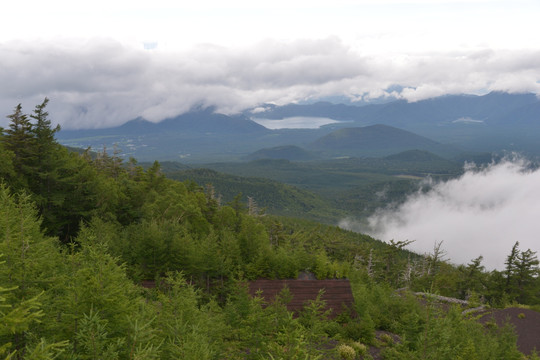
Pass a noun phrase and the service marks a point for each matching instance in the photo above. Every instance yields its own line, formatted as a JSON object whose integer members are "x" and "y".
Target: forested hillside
{"x": 79, "y": 233}
{"x": 321, "y": 190}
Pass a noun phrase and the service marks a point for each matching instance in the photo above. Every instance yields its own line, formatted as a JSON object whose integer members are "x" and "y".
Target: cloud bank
{"x": 102, "y": 82}
{"x": 483, "y": 212}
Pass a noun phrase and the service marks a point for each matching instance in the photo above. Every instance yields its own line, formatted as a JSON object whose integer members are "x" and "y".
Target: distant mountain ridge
{"x": 490, "y": 122}
{"x": 439, "y": 109}
{"x": 199, "y": 121}
{"x": 495, "y": 122}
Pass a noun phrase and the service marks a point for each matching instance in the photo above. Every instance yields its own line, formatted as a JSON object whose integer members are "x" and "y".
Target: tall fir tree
{"x": 19, "y": 139}
{"x": 47, "y": 183}
{"x": 7, "y": 172}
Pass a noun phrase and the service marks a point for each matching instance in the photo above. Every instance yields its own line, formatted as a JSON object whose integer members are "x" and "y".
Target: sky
{"x": 103, "y": 63}
{"x": 482, "y": 213}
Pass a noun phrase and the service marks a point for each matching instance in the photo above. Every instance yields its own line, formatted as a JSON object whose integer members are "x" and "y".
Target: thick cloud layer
{"x": 101, "y": 82}
{"x": 484, "y": 212}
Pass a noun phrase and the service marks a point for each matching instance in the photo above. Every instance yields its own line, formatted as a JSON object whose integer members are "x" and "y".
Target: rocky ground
{"x": 525, "y": 322}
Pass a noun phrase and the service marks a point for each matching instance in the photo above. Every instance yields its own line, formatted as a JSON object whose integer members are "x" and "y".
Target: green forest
{"x": 80, "y": 231}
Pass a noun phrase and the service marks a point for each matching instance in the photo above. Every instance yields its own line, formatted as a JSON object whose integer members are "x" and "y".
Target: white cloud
{"x": 91, "y": 61}
{"x": 484, "y": 212}
{"x": 102, "y": 82}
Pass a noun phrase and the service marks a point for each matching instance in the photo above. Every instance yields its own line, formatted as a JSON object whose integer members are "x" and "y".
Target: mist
{"x": 483, "y": 212}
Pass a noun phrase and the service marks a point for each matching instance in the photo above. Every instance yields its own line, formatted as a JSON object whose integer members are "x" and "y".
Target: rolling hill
{"x": 376, "y": 140}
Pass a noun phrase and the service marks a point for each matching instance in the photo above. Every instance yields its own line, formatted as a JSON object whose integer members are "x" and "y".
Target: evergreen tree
{"x": 472, "y": 277}
{"x": 7, "y": 172}
{"x": 19, "y": 139}
{"x": 42, "y": 129}
{"x": 511, "y": 267}
{"x": 31, "y": 260}
{"x": 526, "y": 274}
{"x": 48, "y": 181}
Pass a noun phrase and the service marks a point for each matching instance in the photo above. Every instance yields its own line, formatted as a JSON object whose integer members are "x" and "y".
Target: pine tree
{"x": 30, "y": 263}
{"x": 42, "y": 129}
{"x": 526, "y": 272}
{"x": 511, "y": 266}
{"x": 472, "y": 277}
{"x": 19, "y": 139}
{"x": 7, "y": 172}
{"x": 48, "y": 184}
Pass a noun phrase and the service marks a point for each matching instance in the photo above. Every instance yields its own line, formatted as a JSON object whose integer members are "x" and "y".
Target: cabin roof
{"x": 337, "y": 292}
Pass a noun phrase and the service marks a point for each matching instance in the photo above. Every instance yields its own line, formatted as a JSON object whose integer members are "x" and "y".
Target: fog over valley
{"x": 483, "y": 212}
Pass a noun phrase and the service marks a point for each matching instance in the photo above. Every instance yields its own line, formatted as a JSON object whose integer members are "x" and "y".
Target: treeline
{"x": 80, "y": 231}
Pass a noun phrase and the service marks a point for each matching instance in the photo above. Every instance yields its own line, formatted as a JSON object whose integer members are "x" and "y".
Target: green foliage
{"x": 346, "y": 352}
{"x": 93, "y": 338}
{"x": 521, "y": 274}
{"x": 189, "y": 330}
{"x": 325, "y": 191}
{"x": 451, "y": 337}
{"x": 45, "y": 351}
{"x": 16, "y": 317}
{"x": 314, "y": 317}
{"x": 360, "y": 348}
{"x": 275, "y": 197}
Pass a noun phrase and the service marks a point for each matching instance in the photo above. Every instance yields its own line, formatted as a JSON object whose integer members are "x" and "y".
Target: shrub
{"x": 386, "y": 339}
{"x": 346, "y": 352}
{"x": 362, "y": 330}
{"x": 360, "y": 348}
{"x": 332, "y": 328}
{"x": 491, "y": 324}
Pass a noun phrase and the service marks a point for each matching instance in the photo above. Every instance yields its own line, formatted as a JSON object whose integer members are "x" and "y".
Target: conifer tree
{"x": 47, "y": 183}
{"x": 526, "y": 273}
{"x": 42, "y": 129}
{"x": 472, "y": 277}
{"x": 30, "y": 262}
{"x": 511, "y": 266}
{"x": 7, "y": 172}
{"x": 19, "y": 139}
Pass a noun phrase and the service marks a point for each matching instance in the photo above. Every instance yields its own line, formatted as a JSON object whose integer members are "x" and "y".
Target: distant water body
{"x": 297, "y": 122}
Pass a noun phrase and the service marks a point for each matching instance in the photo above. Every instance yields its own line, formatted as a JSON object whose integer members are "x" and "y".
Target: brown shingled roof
{"x": 337, "y": 292}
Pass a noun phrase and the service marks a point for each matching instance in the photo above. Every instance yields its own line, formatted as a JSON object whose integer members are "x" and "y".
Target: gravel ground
{"x": 526, "y": 324}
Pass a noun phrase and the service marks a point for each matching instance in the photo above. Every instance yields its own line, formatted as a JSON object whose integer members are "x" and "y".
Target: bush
{"x": 360, "y": 330}
{"x": 332, "y": 329}
{"x": 360, "y": 348}
{"x": 386, "y": 339}
{"x": 346, "y": 352}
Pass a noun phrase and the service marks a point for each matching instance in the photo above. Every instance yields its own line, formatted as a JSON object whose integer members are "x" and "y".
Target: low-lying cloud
{"x": 102, "y": 82}
{"x": 483, "y": 212}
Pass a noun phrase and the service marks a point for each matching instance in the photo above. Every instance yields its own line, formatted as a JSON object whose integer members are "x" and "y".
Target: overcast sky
{"x": 105, "y": 62}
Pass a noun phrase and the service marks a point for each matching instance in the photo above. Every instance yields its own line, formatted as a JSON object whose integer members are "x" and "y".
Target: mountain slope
{"x": 277, "y": 198}
{"x": 195, "y": 136}
{"x": 375, "y": 140}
